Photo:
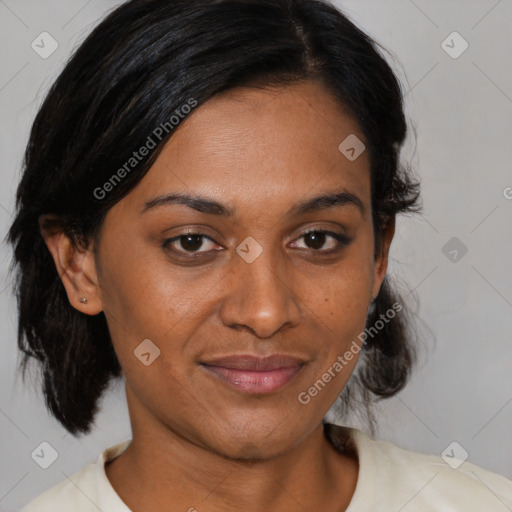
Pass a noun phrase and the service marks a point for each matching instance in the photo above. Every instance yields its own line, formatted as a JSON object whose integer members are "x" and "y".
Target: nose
{"x": 259, "y": 297}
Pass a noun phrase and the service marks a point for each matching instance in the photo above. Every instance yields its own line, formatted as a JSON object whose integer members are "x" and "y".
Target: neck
{"x": 177, "y": 474}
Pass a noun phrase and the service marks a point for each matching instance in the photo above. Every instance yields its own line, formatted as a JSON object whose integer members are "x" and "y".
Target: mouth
{"x": 256, "y": 375}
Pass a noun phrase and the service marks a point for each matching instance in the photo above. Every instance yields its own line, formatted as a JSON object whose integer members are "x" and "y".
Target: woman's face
{"x": 253, "y": 284}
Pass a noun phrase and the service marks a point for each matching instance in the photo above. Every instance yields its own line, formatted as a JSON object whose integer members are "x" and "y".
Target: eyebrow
{"x": 210, "y": 206}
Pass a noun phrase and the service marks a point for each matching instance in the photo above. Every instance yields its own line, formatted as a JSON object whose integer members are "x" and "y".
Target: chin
{"x": 257, "y": 439}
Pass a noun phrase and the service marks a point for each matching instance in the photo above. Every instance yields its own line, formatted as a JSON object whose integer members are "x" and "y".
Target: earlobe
{"x": 76, "y": 268}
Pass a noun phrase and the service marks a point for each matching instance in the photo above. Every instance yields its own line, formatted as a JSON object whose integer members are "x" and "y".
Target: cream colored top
{"x": 391, "y": 479}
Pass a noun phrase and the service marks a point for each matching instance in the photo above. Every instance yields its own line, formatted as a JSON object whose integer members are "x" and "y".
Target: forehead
{"x": 249, "y": 146}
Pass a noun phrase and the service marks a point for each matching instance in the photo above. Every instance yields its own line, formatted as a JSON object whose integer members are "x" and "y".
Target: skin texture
{"x": 198, "y": 442}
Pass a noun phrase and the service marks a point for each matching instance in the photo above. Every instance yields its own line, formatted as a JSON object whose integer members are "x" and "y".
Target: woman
{"x": 207, "y": 206}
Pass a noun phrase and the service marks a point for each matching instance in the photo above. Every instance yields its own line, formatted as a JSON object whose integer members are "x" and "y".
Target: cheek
{"x": 340, "y": 321}
{"x": 143, "y": 290}
{"x": 340, "y": 296}
{"x": 339, "y": 314}
{"x": 168, "y": 307}
{"x": 337, "y": 306}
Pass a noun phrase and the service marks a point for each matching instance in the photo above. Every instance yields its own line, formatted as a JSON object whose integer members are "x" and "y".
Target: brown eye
{"x": 316, "y": 240}
{"x": 189, "y": 243}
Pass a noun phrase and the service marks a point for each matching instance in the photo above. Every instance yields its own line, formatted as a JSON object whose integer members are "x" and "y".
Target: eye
{"x": 190, "y": 243}
{"x": 316, "y": 240}
{"x": 323, "y": 241}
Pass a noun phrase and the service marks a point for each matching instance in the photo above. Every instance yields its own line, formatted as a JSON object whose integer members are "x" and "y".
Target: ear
{"x": 381, "y": 263}
{"x": 76, "y": 266}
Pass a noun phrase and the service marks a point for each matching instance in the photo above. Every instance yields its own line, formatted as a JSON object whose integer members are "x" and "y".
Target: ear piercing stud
{"x": 83, "y": 300}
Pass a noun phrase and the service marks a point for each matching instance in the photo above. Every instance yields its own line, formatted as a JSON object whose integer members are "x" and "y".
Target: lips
{"x": 255, "y": 363}
{"x": 253, "y": 374}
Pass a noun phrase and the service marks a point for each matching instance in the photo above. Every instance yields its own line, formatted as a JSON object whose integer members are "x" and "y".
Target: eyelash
{"x": 342, "y": 240}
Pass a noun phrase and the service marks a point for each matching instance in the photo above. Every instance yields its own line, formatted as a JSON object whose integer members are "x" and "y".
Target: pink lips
{"x": 254, "y": 374}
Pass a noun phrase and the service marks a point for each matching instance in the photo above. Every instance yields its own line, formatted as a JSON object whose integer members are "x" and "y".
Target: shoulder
{"x": 405, "y": 480}
{"x": 75, "y": 493}
{"x": 87, "y": 490}
{"x": 430, "y": 481}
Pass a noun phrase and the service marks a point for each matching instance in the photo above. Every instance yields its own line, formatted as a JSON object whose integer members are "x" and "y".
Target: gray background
{"x": 462, "y": 110}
